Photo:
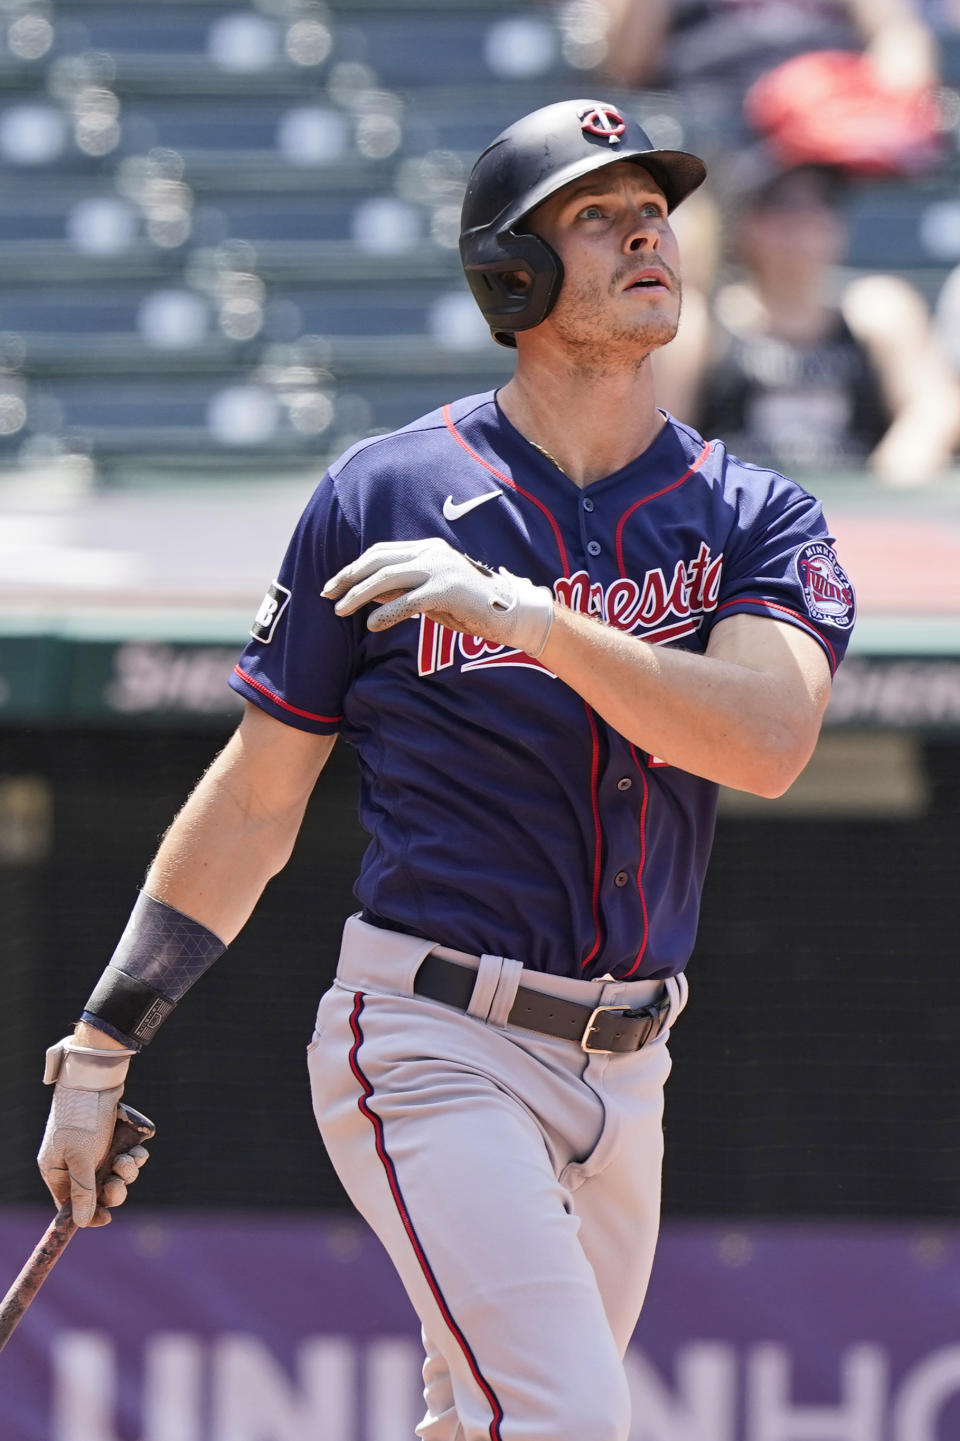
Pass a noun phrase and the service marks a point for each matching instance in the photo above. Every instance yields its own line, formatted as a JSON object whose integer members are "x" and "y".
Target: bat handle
{"x": 132, "y": 1129}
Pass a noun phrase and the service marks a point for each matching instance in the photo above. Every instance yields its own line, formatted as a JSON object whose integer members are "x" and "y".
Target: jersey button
{"x": 621, "y": 878}
{"x": 588, "y": 503}
{"x": 594, "y": 547}
{"x": 624, "y": 783}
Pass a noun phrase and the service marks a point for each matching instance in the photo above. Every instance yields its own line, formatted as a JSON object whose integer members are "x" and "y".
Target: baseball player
{"x": 550, "y": 620}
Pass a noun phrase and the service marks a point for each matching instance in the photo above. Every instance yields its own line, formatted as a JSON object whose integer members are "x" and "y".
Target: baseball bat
{"x": 132, "y": 1129}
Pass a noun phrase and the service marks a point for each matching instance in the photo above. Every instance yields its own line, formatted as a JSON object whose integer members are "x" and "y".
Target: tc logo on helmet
{"x": 604, "y": 121}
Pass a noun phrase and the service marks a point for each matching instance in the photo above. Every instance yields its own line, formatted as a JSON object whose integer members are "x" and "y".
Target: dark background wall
{"x": 816, "y": 1069}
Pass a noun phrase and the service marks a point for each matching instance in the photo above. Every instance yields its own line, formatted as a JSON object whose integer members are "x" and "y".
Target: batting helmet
{"x": 530, "y": 161}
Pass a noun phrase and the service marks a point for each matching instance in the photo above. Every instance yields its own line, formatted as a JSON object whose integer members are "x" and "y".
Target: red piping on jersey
{"x": 391, "y": 1173}
{"x": 643, "y": 857}
{"x": 801, "y": 620}
{"x": 598, "y": 840}
{"x": 595, "y": 759}
{"x": 307, "y": 714}
{"x": 647, "y": 498}
{"x": 449, "y": 422}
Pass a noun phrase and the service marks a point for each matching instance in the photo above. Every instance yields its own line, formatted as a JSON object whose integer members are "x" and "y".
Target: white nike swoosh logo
{"x": 453, "y": 510}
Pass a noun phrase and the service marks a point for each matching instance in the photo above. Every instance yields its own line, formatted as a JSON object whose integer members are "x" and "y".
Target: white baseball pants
{"x": 513, "y": 1179}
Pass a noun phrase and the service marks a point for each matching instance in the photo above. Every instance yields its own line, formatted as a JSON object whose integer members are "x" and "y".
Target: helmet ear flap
{"x": 517, "y": 285}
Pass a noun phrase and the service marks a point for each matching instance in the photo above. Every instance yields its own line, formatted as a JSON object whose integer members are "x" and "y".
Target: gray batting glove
{"x": 87, "y": 1085}
{"x": 429, "y": 577}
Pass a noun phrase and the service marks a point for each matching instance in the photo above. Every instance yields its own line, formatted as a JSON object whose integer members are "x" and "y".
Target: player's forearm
{"x": 223, "y": 847}
{"x": 219, "y": 853}
{"x": 712, "y": 717}
{"x": 236, "y": 831}
{"x": 214, "y": 862}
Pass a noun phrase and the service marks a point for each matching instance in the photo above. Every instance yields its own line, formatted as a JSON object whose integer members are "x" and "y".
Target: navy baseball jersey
{"x": 505, "y": 816}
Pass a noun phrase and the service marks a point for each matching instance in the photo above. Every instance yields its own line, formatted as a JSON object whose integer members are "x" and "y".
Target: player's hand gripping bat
{"x": 132, "y": 1129}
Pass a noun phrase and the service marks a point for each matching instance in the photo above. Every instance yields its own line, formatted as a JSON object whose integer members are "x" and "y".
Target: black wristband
{"x": 160, "y": 955}
{"x": 132, "y": 1008}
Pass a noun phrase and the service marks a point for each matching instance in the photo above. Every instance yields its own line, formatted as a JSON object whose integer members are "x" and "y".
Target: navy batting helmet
{"x": 525, "y": 165}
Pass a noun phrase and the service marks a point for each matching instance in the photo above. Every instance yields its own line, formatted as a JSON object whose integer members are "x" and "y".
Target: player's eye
{"x": 591, "y": 212}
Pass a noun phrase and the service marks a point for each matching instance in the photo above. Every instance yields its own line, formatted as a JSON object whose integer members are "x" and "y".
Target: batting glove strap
{"x": 85, "y": 1068}
{"x": 528, "y": 611}
{"x": 132, "y": 1008}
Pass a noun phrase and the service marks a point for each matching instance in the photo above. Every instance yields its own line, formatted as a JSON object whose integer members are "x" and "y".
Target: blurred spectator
{"x": 742, "y": 69}
{"x": 798, "y": 377}
{"x": 710, "y": 51}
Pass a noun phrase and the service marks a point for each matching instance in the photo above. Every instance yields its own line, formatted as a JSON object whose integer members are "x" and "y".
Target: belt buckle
{"x": 591, "y": 1026}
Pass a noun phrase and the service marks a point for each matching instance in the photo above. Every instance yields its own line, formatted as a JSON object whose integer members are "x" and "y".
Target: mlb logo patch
{"x": 272, "y": 606}
{"x": 826, "y": 586}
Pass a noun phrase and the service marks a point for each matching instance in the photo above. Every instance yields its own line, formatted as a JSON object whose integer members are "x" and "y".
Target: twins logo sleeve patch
{"x": 827, "y": 590}
{"x": 272, "y": 606}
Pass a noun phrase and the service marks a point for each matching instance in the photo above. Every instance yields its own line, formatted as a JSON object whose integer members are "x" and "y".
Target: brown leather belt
{"x": 596, "y": 1028}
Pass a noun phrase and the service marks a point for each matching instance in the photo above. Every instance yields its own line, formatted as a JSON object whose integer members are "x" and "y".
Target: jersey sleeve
{"x": 301, "y": 655}
{"x": 783, "y": 565}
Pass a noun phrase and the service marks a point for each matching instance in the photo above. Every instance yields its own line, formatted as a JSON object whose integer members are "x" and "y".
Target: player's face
{"x": 621, "y": 265}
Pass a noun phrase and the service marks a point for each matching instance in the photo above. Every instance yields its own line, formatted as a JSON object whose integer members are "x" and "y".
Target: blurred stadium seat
{"x": 912, "y": 229}
{"x": 201, "y": 196}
